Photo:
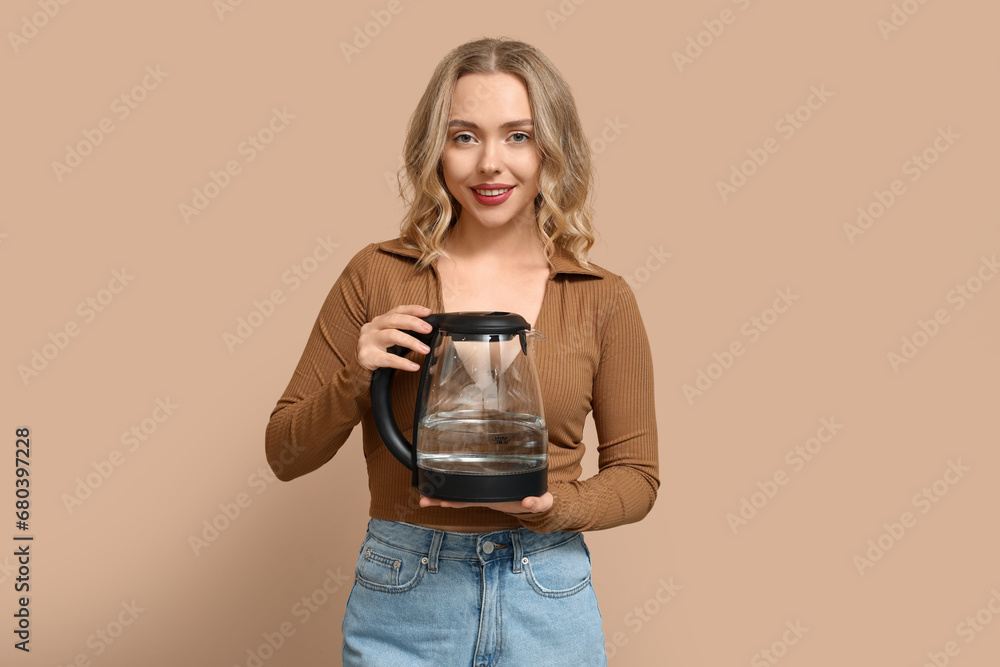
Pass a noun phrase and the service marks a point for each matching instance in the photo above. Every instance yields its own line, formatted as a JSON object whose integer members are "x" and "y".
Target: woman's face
{"x": 491, "y": 146}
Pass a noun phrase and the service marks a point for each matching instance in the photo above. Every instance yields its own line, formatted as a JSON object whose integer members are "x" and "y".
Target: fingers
{"x": 531, "y": 505}
{"x": 405, "y": 318}
{"x": 390, "y": 360}
{"x": 388, "y": 329}
{"x": 391, "y": 337}
{"x": 412, "y": 309}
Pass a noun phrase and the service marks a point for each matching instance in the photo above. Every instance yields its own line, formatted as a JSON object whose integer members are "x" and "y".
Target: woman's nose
{"x": 489, "y": 158}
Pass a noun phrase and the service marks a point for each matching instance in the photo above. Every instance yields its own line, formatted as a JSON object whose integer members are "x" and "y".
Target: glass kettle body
{"x": 479, "y": 431}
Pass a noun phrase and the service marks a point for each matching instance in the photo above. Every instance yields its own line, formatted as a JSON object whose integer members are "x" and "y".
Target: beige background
{"x": 680, "y": 131}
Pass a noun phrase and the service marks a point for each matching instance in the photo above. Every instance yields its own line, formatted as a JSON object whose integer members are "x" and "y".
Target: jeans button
{"x": 487, "y": 547}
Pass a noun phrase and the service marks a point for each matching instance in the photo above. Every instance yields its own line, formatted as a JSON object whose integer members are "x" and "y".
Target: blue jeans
{"x": 506, "y": 598}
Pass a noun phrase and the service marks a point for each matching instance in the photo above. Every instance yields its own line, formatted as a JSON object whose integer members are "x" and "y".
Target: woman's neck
{"x": 515, "y": 241}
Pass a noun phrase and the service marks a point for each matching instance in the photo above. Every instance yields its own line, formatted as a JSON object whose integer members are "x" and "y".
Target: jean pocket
{"x": 388, "y": 568}
{"x": 559, "y": 571}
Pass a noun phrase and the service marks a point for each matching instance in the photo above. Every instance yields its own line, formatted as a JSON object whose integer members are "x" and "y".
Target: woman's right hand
{"x": 385, "y": 331}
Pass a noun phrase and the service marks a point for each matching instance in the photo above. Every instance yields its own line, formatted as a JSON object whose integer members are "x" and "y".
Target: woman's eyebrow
{"x": 524, "y": 122}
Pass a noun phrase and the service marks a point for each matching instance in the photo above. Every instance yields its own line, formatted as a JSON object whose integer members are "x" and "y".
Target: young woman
{"x": 499, "y": 173}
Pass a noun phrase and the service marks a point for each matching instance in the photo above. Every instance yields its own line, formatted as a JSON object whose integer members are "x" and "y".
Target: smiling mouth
{"x": 491, "y": 193}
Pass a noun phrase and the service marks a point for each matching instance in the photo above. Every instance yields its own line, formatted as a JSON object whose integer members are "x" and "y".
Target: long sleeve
{"x": 624, "y": 489}
{"x": 329, "y": 388}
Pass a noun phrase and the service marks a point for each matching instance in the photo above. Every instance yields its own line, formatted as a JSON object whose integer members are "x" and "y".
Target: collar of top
{"x": 562, "y": 262}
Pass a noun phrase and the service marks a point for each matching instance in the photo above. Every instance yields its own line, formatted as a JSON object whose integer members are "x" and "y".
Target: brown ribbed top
{"x": 595, "y": 356}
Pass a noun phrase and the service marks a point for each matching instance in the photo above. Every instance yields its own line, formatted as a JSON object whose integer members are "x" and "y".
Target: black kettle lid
{"x": 479, "y": 322}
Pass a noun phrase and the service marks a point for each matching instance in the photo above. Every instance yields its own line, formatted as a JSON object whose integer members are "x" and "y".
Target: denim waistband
{"x": 514, "y": 543}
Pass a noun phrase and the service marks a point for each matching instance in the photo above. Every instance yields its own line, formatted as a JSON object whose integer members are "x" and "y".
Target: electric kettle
{"x": 479, "y": 432}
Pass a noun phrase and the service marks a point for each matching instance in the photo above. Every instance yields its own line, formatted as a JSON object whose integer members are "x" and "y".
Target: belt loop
{"x": 432, "y": 555}
{"x": 515, "y": 540}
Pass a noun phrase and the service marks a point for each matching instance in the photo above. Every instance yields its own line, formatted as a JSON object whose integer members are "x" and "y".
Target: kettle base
{"x": 477, "y": 488}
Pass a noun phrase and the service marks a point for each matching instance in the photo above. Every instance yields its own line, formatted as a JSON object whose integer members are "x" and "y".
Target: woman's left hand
{"x": 529, "y": 505}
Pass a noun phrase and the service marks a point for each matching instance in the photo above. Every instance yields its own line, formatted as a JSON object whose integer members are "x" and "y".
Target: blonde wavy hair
{"x": 562, "y": 210}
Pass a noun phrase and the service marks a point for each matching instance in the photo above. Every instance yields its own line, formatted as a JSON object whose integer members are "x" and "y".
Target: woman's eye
{"x": 460, "y": 138}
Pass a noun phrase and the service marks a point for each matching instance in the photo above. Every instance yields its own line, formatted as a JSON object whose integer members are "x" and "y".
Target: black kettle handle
{"x": 381, "y": 396}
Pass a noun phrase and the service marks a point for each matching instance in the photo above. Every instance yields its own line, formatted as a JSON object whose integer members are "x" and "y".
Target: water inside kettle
{"x": 486, "y": 442}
